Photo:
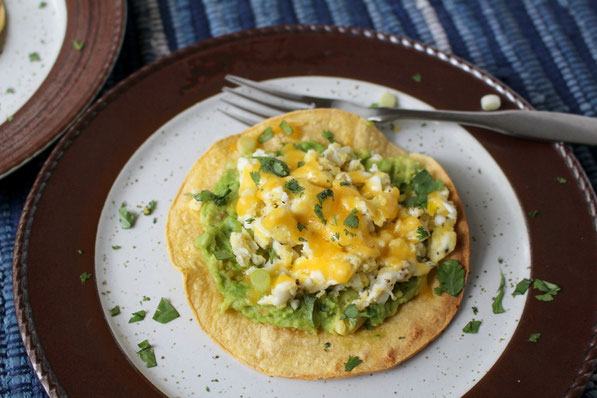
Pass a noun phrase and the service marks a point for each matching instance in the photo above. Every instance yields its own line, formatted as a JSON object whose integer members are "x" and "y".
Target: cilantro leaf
{"x": 34, "y": 57}
{"x": 302, "y": 239}
{"x": 273, "y": 166}
{"x": 146, "y": 354}
{"x": 149, "y": 208}
{"x": 352, "y": 221}
{"x": 451, "y": 275}
{"x": 533, "y": 213}
{"x": 352, "y": 363}
{"x": 127, "y": 218}
{"x": 417, "y": 77}
{"x": 422, "y": 185}
{"x": 472, "y": 327}
{"x": 306, "y": 146}
{"x": 266, "y": 135}
{"x": 561, "y": 180}
{"x": 318, "y": 211}
{"x": 546, "y": 287}
{"x": 522, "y": 287}
{"x": 137, "y": 316}
{"x": 345, "y": 184}
{"x": 534, "y": 337}
{"x": 300, "y": 164}
{"x": 326, "y": 346}
{"x": 497, "y": 301}
{"x": 78, "y": 45}
{"x": 85, "y": 276}
{"x": 115, "y": 311}
{"x": 10, "y": 90}
{"x": 422, "y": 234}
{"x": 475, "y": 310}
{"x": 300, "y": 226}
{"x": 327, "y": 134}
{"x": 208, "y": 196}
{"x": 323, "y": 195}
{"x": 544, "y": 297}
{"x": 116, "y": 247}
{"x": 165, "y": 312}
{"x": 293, "y": 186}
{"x": 222, "y": 255}
{"x": 256, "y": 177}
{"x": 286, "y": 127}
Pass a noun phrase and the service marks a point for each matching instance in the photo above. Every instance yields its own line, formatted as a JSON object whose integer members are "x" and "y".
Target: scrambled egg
{"x": 326, "y": 222}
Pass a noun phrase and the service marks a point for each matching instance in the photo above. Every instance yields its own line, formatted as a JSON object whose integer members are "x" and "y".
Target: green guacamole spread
{"x": 313, "y": 314}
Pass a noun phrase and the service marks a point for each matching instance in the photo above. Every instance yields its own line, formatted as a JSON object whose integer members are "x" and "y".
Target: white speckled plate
{"x": 28, "y": 49}
{"x": 189, "y": 362}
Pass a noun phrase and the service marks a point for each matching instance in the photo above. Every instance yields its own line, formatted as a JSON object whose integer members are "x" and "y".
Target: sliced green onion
{"x": 260, "y": 280}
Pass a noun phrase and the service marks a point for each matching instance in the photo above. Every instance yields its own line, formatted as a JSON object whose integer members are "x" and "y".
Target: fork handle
{"x": 539, "y": 125}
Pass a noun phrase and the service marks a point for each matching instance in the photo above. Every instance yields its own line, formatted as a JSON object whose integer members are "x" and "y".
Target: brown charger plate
{"x": 61, "y": 320}
{"x": 73, "y": 82}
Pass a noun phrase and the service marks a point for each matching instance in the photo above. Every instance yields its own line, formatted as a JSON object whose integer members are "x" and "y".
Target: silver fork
{"x": 268, "y": 101}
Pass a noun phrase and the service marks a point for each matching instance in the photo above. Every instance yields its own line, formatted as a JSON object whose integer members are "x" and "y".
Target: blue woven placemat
{"x": 545, "y": 50}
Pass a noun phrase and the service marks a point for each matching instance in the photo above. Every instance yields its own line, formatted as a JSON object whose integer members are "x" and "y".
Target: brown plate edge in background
{"x": 20, "y": 282}
{"x": 75, "y": 79}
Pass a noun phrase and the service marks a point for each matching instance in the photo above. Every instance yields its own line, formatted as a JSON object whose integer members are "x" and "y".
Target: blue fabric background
{"x": 544, "y": 49}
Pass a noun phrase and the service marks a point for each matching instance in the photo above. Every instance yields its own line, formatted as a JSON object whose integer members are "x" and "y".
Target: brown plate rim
{"x": 20, "y": 265}
{"x": 74, "y": 81}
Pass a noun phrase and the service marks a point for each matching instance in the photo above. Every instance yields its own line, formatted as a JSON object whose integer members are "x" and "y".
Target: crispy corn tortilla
{"x": 287, "y": 352}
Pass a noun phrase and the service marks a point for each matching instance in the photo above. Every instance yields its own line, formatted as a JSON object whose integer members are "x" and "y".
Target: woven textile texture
{"x": 545, "y": 50}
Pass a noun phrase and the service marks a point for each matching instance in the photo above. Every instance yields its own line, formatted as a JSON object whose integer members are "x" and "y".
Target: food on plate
{"x": 311, "y": 247}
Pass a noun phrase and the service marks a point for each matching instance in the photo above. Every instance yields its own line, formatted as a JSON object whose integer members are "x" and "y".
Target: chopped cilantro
{"x": 34, "y": 57}
{"x": 273, "y": 166}
{"x": 293, "y": 186}
{"x": 150, "y": 207}
{"x": 336, "y": 236}
{"x": 318, "y": 211}
{"x": 85, "y": 276}
{"x": 417, "y": 77}
{"x": 534, "y": 337}
{"x": 374, "y": 105}
{"x": 323, "y": 195}
{"x": 352, "y": 363}
{"x": 207, "y": 389}
{"x": 286, "y": 127}
{"x": 266, "y": 135}
{"x": 137, "y": 316}
{"x": 42, "y": 4}
{"x": 345, "y": 184}
{"x": 115, "y": 311}
{"x": 475, "y": 310}
{"x": 10, "y": 118}
{"x": 561, "y": 180}
{"x": 302, "y": 239}
{"x": 422, "y": 234}
{"x": 222, "y": 255}
{"x": 80, "y": 251}
{"x": 165, "y": 312}
{"x": 300, "y": 226}
{"x": 208, "y": 196}
{"x": 422, "y": 185}
{"x": 352, "y": 221}
{"x": 335, "y": 221}
{"x": 347, "y": 233}
{"x": 300, "y": 164}
{"x": 327, "y": 134}
{"x": 155, "y": 220}
{"x": 522, "y": 287}
{"x": 249, "y": 220}
{"x": 127, "y": 218}
{"x": 472, "y": 327}
{"x": 10, "y": 91}
{"x": 256, "y": 177}
{"x": 533, "y": 213}
{"x": 116, "y": 247}
{"x": 145, "y": 298}
{"x": 549, "y": 289}
{"x": 78, "y": 45}
{"x": 450, "y": 275}
{"x": 306, "y": 146}
{"x": 500, "y": 260}
{"x": 497, "y": 300}
{"x": 146, "y": 354}
{"x": 271, "y": 254}
{"x": 326, "y": 346}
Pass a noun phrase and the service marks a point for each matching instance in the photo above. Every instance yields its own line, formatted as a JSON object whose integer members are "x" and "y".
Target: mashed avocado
{"x": 219, "y": 220}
